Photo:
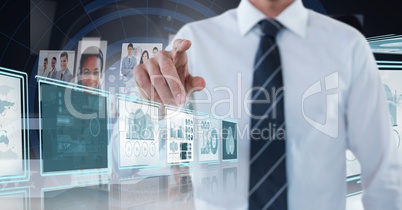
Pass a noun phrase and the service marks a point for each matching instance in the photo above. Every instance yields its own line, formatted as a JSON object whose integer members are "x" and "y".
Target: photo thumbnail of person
{"x": 154, "y": 51}
{"x": 90, "y": 69}
{"x": 132, "y": 55}
{"x": 91, "y": 62}
{"x": 64, "y": 74}
{"x": 45, "y": 70}
{"x": 60, "y": 64}
{"x": 130, "y": 61}
{"x": 144, "y": 56}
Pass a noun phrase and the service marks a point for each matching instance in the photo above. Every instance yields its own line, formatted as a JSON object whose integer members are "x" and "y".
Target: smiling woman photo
{"x": 91, "y": 67}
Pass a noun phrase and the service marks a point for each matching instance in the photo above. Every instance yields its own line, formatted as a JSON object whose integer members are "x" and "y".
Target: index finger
{"x": 179, "y": 57}
{"x": 180, "y": 46}
{"x": 169, "y": 72}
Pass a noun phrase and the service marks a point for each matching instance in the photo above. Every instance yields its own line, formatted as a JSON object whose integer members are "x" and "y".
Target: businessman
{"x": 53, "y": 72}
{"x": 129, "y": 62}
{"x": 154, "y": 51}
{"x": 303, "y": 87}
{"x": 64, "y": 74}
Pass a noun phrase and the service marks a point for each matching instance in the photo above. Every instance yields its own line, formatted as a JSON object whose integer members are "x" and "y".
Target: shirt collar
{"x": 294, "y": 17}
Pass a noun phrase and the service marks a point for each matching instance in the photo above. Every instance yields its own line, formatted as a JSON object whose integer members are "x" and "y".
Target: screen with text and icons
{"x": 139, "y": 133}
{"x": 74, "y": 129}
{"x": 14, "y": 141}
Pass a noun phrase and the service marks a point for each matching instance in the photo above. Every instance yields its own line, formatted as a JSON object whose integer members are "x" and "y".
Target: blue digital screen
{"x": 74, "y": 134}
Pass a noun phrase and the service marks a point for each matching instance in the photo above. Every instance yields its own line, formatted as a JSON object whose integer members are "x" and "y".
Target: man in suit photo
{"x": 129, "y": 62}
{"x": 64, "y": 74}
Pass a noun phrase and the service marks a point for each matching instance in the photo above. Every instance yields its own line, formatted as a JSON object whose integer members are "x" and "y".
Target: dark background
{"x": 29, "y": 26}
{"x": 26, "y": 27}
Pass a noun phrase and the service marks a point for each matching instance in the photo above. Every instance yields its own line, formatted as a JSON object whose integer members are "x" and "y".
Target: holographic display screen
{"x": 12, "y": 126}
{"x": 74, "y": 129}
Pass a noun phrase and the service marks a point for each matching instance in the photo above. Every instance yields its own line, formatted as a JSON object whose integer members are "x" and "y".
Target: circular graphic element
{"x": 112, "y": 78}
{"x": 137, "y": 149}
{"x": 94, "y": 126}
{"x": 152, "y": 149}
{"x": 145, "y": 149}
{"x": 173, "y": 146}
{"x": 214, "y": 140}
{"x": 230, "y": 142}
{"x": 129, "y": 149}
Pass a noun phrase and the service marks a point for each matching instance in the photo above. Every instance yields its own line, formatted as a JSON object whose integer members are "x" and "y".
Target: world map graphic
{"x": 5, "y": 109}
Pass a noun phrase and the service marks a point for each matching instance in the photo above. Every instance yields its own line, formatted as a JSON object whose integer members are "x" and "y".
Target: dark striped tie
{"x": 268, "y": 185}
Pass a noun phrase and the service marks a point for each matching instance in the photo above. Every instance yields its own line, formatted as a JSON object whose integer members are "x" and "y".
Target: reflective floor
{"x": 171, "y": 187}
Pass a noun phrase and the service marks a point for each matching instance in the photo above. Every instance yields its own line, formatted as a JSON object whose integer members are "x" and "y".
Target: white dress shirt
{"x": 334, "y": 101}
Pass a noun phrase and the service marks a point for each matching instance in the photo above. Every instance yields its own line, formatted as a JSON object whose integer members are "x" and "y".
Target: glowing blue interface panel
{"x": 180, "y": 136}
{"x": 11, "y": 150}
{"x": 229, "y": 140}
{"x": 209, "y": 138}
{"x": 15, "y": 198}
{"x": 13, "y": 127}
{"x": 391, "y": 45}
{"x": 393, "y": 90}
{"x": 139, "y": 133}
{"x": 74, "y": 129}
{"x": 85, "y": 198}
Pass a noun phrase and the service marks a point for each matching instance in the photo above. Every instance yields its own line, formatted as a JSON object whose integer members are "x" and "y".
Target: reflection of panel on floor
{"x": 397, "y": 136}
{"x": 180, "y": 188}
{"x": 353, "y": 187}
{"x": 397, "y": 131}
{"x": 186, "y": 185}
{"x": 143, "y": 194}
{"x": 352, "y": 164}
{"x": 80, "y": 198}
{"x": 229, "y": 179}
{"x": 12, "y": 201}
{"x": 352, "y": 172}
{"x": 210, "y": 185}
